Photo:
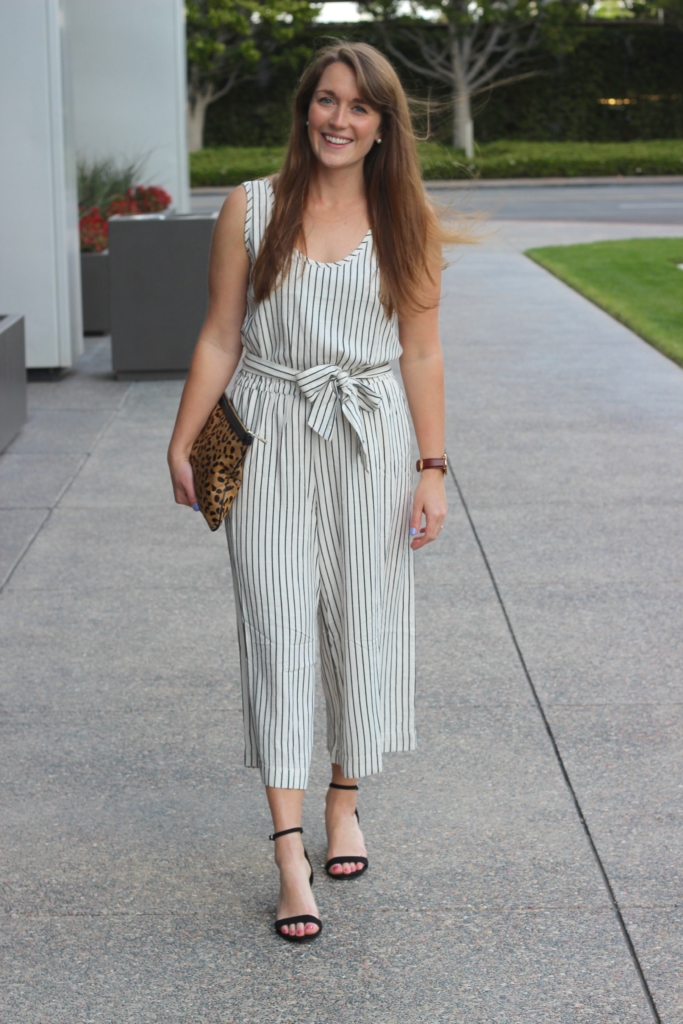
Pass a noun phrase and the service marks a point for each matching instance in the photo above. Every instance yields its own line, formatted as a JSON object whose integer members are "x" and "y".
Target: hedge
{"x": 228, "y": 165}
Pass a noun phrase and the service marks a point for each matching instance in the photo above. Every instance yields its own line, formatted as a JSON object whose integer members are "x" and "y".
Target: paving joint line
{"x": 64, "y": 490}
{"x": 565, "y": 774}
{"x": 27, "y": 545}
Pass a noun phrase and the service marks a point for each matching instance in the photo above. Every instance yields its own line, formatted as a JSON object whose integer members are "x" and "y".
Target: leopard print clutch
{"x": 217, "y": 459}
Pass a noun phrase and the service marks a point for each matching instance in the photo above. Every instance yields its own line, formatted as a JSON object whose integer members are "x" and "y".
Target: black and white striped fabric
{"x": 318, "y": 535}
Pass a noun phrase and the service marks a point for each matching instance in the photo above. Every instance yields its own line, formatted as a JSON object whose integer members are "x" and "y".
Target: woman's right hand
{"x": 219, "y": 347}
{"x": 183, "y": 480}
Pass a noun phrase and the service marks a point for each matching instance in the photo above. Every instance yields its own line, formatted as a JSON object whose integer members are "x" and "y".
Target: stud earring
{"x": 378, "y": 141}
{"x": 307, "y": 122}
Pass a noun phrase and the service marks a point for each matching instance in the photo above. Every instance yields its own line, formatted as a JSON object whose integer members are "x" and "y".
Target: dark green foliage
{"x": 623, "y": 60}
{"x": 228, "y": 165}
{"x": 611, "y": 61}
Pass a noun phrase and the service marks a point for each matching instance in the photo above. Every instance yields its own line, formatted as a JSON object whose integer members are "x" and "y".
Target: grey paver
{"x": 36, "y": 481}
{"x": 396, "y": 968}
{"x": 657, "y": 937}
{"x": 597, "y": 644}
{"x": 60, "y": 431}
{"x": 91, "y": 798}
{"x": 386, "y": 968}
{"x": 627, "y": 762}
{"x": 117, "y": 650}
{"x": 17, "y": 527}
{"x": 123, "y": 547}
{"x": 138, "y": 882}
{"x": 583, "y": 544}
{"x": 600, "y": 463}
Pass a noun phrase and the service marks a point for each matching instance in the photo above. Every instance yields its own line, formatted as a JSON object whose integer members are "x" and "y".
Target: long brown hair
{"x": 407, "y": 234}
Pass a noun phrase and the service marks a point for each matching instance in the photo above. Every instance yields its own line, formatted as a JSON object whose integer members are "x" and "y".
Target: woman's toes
{"x": 311, "y": 928}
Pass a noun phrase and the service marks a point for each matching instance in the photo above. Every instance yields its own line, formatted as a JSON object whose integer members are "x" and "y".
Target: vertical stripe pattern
{"x": 318, "y": 535}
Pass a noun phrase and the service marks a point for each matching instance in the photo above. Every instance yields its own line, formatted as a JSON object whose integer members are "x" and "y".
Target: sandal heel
{"x": 300, "y": 918}
{"x": 341, "y": 877}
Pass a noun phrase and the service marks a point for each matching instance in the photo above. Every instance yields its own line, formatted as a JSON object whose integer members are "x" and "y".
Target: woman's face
{"x": 342, "y": 128}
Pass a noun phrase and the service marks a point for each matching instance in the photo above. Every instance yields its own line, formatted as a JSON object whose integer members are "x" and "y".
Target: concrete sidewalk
{"x": 137, "y": 877}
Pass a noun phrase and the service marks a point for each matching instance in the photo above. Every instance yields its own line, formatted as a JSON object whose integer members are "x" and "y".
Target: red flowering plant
{"x": 122, "y": 206}
{"x": 149, "y": 199}
{"x": 94, "y": 228}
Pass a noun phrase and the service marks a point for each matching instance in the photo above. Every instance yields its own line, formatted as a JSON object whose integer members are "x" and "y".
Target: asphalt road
{"x": 613, "y": 203}
{"x": 630, "y": 202}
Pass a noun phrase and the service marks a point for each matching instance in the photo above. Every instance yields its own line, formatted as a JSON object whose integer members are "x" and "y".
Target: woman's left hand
{"x": 429, "y": 501}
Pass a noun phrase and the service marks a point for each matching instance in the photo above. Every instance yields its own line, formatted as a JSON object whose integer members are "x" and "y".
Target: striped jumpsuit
{"x": 318, "y": 535}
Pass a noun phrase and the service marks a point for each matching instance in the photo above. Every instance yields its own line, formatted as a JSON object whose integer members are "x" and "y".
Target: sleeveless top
{"x": 321, "y": 313}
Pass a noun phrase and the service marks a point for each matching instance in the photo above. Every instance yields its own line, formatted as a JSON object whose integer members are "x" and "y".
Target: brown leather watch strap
{"x": 441, "y": 464}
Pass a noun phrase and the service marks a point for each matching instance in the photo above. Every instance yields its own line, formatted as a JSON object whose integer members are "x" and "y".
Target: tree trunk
{"x": 463, "y": 128}
{"x": 196, "y": 117}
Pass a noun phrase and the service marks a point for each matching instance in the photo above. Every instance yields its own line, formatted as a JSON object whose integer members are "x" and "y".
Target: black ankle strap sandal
{"x": 300, "y": 918}
{"x": 340, "y": 876}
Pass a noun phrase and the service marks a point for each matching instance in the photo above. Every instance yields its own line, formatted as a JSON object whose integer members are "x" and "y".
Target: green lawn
{"x": 230, "y": 165}
{"x": 637, "y": 281}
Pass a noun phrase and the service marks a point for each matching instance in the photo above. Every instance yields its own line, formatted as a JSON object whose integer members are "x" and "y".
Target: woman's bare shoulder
{"x": 230, "y": 223}
{"x": 228, "y": 242}
{"x": 235, "y": 206}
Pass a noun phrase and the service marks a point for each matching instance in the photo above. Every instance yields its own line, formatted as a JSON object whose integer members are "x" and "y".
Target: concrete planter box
{"x": 12, "y": 378}
{"x": 159, "y": 291}
{"x": 95, "y": 292}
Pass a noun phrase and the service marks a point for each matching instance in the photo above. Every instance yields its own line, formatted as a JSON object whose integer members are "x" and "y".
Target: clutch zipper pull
{"x": 257, "y": 438}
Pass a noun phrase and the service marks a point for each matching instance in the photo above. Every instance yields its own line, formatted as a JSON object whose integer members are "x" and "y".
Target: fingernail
{"x": 413, "y": 531}
{"x": 196, "y": 507}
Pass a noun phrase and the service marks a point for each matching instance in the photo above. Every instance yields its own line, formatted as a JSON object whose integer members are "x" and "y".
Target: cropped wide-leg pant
{"x": 319, "y": 546}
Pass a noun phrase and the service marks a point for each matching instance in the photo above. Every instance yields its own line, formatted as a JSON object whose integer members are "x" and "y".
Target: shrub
{"x": 102, "y": 181}
{"x": 105, "y": 190}
{"x": 149, "y": 199}
{"x": 93, "y": 230}
{"x": 230, "y": 165}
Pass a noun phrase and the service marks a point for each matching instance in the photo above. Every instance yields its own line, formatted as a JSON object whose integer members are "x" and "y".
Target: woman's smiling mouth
{"x": 335, "y": 140}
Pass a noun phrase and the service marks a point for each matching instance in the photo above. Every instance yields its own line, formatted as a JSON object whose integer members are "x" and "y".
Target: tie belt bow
{"x": 325, "y": 385}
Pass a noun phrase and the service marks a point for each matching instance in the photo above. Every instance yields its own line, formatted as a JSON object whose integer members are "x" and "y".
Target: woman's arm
{"x": 422, "y": 372}
{"x": 219, "y": 346}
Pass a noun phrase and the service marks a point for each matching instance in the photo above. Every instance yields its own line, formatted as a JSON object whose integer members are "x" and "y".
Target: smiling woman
{"x": 322, "y": 276}
{"x": 351, "y": 111}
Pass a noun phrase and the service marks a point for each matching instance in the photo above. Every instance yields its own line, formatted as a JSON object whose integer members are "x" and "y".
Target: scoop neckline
{"x": 326, "y": 263}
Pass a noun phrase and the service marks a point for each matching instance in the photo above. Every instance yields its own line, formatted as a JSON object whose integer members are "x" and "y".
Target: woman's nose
{"x": 340, "y": 117}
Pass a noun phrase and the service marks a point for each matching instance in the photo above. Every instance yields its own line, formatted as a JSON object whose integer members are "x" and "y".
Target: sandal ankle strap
{"x": 285, "y": 832}
{"x": 335, "y": 785}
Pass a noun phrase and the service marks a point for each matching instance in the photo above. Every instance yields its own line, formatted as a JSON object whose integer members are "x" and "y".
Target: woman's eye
{"x": 324, "y": 99}
{"x": 360, "y": 110}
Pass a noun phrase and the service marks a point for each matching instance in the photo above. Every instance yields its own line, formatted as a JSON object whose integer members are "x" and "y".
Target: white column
{"x": 39, "y": 260}
{"x": 129, "y": 85}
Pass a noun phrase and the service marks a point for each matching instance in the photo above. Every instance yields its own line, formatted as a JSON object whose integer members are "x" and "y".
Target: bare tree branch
{"x": 426, "y": 72}
{"x": 506, "y": 81}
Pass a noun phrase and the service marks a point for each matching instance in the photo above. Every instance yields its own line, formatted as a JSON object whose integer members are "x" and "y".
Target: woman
{"x": 321, "y": 276}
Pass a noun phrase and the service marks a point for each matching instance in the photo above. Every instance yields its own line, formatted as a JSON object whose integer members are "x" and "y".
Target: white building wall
{"x": 129, "y": 86}
{"x": 39, "y": 262}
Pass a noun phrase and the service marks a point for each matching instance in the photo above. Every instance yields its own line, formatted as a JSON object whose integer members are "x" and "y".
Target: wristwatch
{"x": 441, "y": 463}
